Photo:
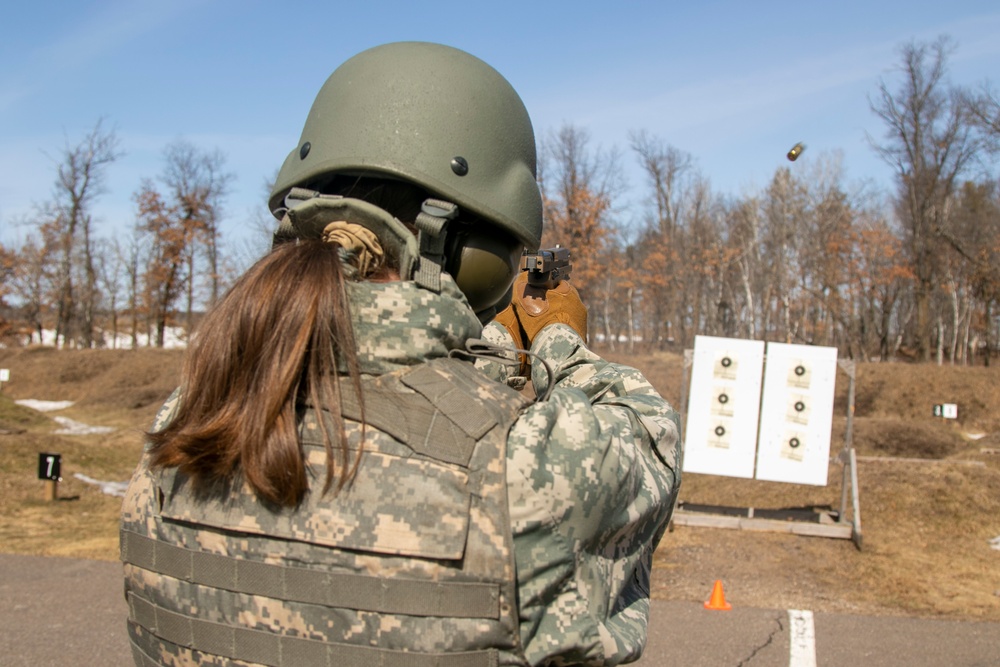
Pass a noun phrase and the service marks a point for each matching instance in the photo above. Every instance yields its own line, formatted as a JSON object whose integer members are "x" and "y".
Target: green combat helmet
{"x": 448, "y": 122}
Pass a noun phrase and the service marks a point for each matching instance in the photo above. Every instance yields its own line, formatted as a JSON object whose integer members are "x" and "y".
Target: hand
{"x": 508, "y": 318}
{"x": 537, "y": 307}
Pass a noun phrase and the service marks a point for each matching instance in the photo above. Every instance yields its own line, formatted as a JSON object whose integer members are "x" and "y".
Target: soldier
{"x": 335, "y": 483}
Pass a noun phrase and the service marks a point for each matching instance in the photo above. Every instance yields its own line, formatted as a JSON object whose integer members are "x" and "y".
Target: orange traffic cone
{"x": 718, "y": 599}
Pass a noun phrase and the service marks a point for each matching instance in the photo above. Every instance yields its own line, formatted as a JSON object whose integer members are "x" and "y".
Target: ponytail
{"x": 277, "y": 337}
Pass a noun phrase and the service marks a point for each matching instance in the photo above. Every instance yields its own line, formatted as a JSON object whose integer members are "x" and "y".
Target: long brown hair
{"x": 275, "y": 339}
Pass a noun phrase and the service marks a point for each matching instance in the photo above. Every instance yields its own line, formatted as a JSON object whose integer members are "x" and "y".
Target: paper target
{"x": 799, "y": 409}
{"x": 721, "y": 430}
{"x": 796, "y": 414}
{"x": 793, "y": 445}
{"x": 720, "y": 434}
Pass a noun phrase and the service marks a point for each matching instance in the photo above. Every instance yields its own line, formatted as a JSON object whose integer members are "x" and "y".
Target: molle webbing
{"x": 266, "y": 648}
{"x": 352, "y": 591}
{"x": 410, "y": 419}
{"x": 457, "y": 421}
{"x": 443, "y": 419}
{"x": 453, "y": 396}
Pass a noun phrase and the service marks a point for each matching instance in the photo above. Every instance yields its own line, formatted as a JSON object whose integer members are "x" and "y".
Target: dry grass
{"x": 930, "y": 504}
{"x": 110, "y": 388}
{"x": 926, "y": 524}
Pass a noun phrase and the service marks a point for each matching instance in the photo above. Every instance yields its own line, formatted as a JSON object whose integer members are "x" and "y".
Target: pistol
{"x": 547, "y": 267}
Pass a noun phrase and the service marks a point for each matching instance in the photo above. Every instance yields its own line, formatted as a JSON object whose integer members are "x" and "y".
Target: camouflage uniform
{"x": 589, "y": 483}
{"x": 592, "y": 476}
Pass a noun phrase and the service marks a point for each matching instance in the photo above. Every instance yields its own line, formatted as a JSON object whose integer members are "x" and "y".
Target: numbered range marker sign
{"x": 49, "y": 466}
{"x": 946, "y": 410}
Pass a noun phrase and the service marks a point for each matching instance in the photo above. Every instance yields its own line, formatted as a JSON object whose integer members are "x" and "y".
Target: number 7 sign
{"x": 49, "y": 466}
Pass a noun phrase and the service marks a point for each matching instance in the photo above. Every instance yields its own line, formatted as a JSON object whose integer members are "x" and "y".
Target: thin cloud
{"x": 102, "y": 32}
{"x": 726, "y": 104}
{"x": 731, "y": 99}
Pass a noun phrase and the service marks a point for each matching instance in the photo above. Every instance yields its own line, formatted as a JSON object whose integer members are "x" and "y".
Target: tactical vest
{"x": 410, "y": 564}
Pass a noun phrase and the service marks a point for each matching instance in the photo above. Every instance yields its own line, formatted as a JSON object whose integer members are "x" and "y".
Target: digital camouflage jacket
{"x": 591, "y": 476}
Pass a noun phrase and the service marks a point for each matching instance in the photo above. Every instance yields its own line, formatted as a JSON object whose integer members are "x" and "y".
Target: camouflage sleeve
{"x": 593, "y": 473}
{"x": 496, "y": 334}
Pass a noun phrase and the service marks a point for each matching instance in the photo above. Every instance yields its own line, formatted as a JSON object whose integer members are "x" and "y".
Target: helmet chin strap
{"x": 432, "y": 221}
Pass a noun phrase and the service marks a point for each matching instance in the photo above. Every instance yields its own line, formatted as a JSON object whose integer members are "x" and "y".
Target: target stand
{"x": 814, "y": 521}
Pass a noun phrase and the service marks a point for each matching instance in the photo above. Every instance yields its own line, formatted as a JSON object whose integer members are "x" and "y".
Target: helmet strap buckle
{"x": 434, "y": 216}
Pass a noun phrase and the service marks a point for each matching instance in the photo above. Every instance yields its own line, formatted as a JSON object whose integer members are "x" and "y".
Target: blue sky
{"x": 735, "y": 84}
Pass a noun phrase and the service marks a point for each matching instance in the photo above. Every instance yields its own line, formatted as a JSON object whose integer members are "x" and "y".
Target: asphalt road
{"x": 60, "y": 611}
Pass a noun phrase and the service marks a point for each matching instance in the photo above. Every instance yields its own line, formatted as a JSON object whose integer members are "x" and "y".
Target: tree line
{"x": 911, "y": 272}
{"x": 126, "y": 290}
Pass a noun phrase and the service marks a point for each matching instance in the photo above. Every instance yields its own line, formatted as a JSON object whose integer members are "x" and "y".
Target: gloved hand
{"x": 533, "y": 308}
{"x": 508, "y": 318}
{"x": 538, "y": 307}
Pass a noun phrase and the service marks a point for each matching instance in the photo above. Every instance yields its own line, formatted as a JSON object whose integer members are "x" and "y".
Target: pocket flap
{"x": 394, "y": 505}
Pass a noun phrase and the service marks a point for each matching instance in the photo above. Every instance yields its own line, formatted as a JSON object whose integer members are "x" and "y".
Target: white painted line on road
{"x": 802, "y": 638}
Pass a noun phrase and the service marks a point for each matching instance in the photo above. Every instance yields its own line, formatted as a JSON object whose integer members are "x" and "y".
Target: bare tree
{"x": 167, "y": 236}
{"x": 81, "y": 172}
{"x": 745, "y": 224}
{"x": 707, "y": 259}
{"x": 667, "y": 168}
{"x": 8, "y": 260}
{"x": 180, "y": 223}
{"x": 578, "y": 184}
{"x": 827, "y": 261}
{"x": 930, "y": 142}
{"x": 261, "y": 225}
{"x": 976, "y": 238}
{"x": 112, "y": 268}
{"x": 669, "y": 173}
{"x": 132, "y": 253}
{"x": 879, "y": 285}
{"x": 198, "y": 183}
{"x": 32, "y": 280}
{"x": 785, "y": 213}
{"x": 984, "y": 106}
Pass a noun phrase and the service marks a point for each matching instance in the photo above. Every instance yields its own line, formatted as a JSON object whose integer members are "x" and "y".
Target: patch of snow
{"x": 995, "y": 543}
{"x": 73, "y": 427}
{"x": 173, "y": 338}
{"x": 44, "y": 406}
{"x": 107, "y": 488}
{"x": 975, "y": 436}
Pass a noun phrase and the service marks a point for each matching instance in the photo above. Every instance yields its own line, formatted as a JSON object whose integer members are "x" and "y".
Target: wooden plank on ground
{"x": 702, "y": 520}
